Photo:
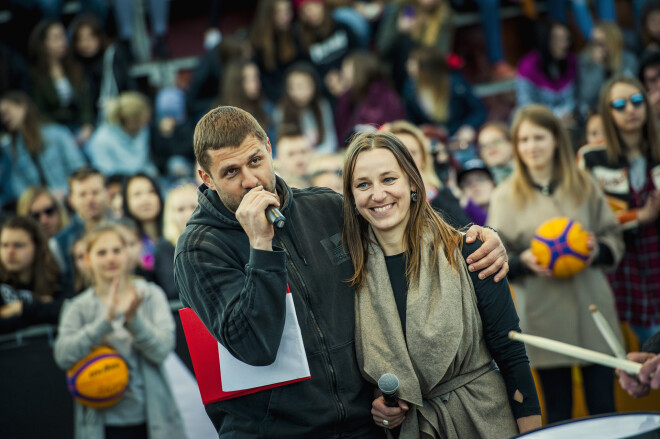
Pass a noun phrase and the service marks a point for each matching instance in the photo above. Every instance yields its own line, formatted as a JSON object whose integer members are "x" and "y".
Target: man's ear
{"x": 206, "y": 178}
{"x": 269, "y": 147}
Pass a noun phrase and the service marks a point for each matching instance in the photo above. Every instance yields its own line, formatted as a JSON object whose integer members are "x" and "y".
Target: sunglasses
{"x": 620, "y": 104}
{"x": 49, "y": 211}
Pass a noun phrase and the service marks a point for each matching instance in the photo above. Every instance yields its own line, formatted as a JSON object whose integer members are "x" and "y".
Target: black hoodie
{"x": 238, "y": 292}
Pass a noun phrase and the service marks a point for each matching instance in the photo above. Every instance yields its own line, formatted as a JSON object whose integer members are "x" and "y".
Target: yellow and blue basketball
{"x": 100, "y": 379}
{"x": 560, "y": 244}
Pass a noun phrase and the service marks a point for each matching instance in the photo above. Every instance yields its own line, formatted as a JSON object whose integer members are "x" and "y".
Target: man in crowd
{"x": 232, "y": 268}
{"x": 88, "y": 197}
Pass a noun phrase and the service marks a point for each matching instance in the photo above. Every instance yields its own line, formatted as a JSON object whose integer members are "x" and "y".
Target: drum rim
{"x": 603, "y": 415}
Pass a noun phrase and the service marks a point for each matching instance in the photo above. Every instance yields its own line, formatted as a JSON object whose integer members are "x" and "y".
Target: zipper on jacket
{"x": 305, "y": 294}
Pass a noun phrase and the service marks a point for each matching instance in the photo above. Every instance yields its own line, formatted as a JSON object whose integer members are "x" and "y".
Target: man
{"x": 88, "y": 197}
{"x": 294, "y": 153}
{"x": 649, "y": 75}
{"x": 232, "y": 268}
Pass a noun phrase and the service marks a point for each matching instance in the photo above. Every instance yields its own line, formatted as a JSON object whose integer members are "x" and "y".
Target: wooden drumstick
{"x": 607, "y": 333}
{"x": 577, "y": 352}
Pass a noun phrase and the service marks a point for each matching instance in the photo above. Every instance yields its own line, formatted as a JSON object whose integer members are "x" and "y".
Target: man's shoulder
{"x": 321, "y": 196}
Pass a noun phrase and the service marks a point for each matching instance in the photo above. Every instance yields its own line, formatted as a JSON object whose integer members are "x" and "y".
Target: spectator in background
{"x": 649, "y": 75}
{"x": 477, "y": 185}
{"x": 159, "y": 14}
{"x": 367, "y": 97}
{"x": 122, "y": 144}
{"x": 603, "y": 57}
{"x": 143, "y": 203}
{"x": 241, "y": 87}
{"x": 436, "y": 95}
{"x": 546, "y": 183}
{"x": 323, "y": 40}
{"x": 88, "y": 197}
{"x": 31, "y": 290}
{"x": 171, "y": 135}
{"x": 133, "y": 317}
{"x": 605, "y": 8}
{"x": 42, "y": 154}
{"x": 81, "y": 273}
{"x": 627, "y": 167}
{"x": 42, "y": 205}
{"x": 275, "y": 45}
{"x": 650, "y": 22}
{"x": 304, "y": 109}
{"x": 180, "y": 203}
{"x": 59, "y": 87}
{"x": 106, "y": 70}
{"x": 294, "y": 153}
{"x": 438, "y": 194}
{"x": 595, "y": 131}
{"x": 548, "y": 74}
{"x": 325, "y": 170}
{"x": 113, "y": 185}
{"x": 495, "y": 150}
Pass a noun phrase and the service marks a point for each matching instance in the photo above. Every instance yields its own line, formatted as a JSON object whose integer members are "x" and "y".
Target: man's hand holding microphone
{"x": 257, "y": 213}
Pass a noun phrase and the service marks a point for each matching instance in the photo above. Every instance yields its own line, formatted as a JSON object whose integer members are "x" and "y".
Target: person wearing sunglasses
{"x": 40, "y": 203}
{"x": 627, "y": 166}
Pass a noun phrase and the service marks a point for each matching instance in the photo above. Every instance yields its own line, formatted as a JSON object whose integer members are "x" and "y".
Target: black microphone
{"x": 389, "y": 386}
{"x": 275, "y": 216}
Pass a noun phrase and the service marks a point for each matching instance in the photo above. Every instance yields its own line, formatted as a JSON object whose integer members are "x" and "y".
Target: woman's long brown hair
{"x": 615, "y": 148}
{"x": 274, "y": 46}
{"x": 233, "y": 93}
{"x": 434, "y": 78}
{"x": 422, "y": 219}
{"x": 30, "y": 130}
{"x": 45, "y": 270}
{"x": 565, "y": 171}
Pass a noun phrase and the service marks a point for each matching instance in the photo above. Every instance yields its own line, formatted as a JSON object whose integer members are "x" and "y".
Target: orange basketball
{"x": 100, "y": 379}
{"x": 561, "y": 245}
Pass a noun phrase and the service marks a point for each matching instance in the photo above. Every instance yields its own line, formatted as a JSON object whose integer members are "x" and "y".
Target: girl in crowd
{"x": 367, "y": 97}
{"x": 274, "y": 43}
{"x": 121, "y": 145}
{"x": 132, "y": 317}
{"x": 180, "y": 203}
{"x": 409, "y": 292}
{"x": 59, "y": 86}
{"x": 546, "y": 183}
{"x": 495, "y": 149}
{"x": 40, "y": 203}
{"x": 143, "y": 204}
{"x": 548, "y": 74}
{"x": 81, "y": 274}
{"x": 435, "y": 95}
{"x": 627, "y": 167}
{"x": 42, "y": 154}
{"x": 440, "y": 196}
{"x": 604, "y": 56}
{"x": 304, "y": 109}
{"x": 106, "y": 70}
{"x": 241, "y": 87}
{"x": 30, "y": 285}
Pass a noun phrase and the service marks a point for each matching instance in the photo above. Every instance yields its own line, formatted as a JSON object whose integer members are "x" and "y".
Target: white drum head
{"x": 619, "y": 426}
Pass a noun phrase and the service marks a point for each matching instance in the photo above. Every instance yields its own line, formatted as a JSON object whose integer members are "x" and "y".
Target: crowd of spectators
{"x": 82, "y": 145}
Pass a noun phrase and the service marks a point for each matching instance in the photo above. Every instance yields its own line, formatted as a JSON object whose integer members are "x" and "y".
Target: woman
{"x": 143, "y": 203}
{"x": 627, "y": 166}
{"x": 435, "y": 95}
{"x": 122, "y": 144}
{"x": 605, "y": 56}
{"x": 439, "y": 195}
{"x": 30, "y": 285}
{"x": 179, "y": 206}
{"x": 367, "y": 97}
{"x": 545, "y": 184}
{"x": 495, "y": 149}
{"x": 132, "y": 317}
{"x": 42, "y": 154}
{"x": 548, "y": 74}
{"x": 39, "y": 203}
{"x": 417, "y": 314}
{"x": 59, "y": 85}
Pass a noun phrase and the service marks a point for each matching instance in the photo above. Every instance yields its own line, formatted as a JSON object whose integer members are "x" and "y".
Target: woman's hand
{"x": 529, "y": 260}
{"x": 112, "y": 304}
{"x": 84, "y": 134}
{"x": 649, "y": 213}
{"x": 136, "y": 300}
{"x": 393, "y": 415}
{"x": 13, "y": 309}
{"x": 529, "y": 423}
{"x": 491, "y": 257}
{"x": 592, "y": 245}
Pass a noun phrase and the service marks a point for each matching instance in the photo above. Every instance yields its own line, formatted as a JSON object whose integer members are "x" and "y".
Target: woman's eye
{"x": 361, "y": 185}
{"x": 389, "y": 180}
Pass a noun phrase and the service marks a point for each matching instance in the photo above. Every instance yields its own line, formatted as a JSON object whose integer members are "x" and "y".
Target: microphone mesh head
{"x": 388, "y": 383}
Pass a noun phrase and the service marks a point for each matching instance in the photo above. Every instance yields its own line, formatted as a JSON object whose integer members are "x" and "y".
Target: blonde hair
{"x": 573, "y": 180}
{"x": 128, "y": 105}
{"x": 423, "y": 219}
{"x": 171, "y": 231}
{"x": 433, "y": 78}
{"x": 405, "y": 127}
{"x": 28, "y": 197}
{"x": 97, "y": 231}
{"x": 613, "y": 43}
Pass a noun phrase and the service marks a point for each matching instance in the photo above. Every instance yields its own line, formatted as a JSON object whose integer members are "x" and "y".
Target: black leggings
{"x": 558, "y": 391}
{"x": 129, "y": 432}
